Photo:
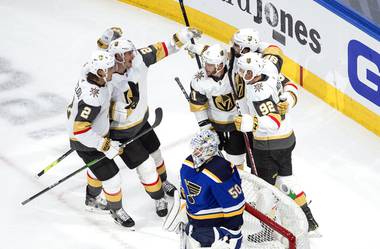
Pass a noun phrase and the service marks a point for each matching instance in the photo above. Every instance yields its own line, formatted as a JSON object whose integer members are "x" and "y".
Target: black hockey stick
{"x": 55, "y": 162}
{"x": 188, "y": 100}
{"x": 188, "y": 25}
{"x": 182, "y": 89}
{"x": 245, "y": 136}
{"x": 157, "y": 121}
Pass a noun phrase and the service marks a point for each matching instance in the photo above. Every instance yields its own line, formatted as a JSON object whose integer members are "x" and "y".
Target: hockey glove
{"x": 176, "y": 215}
{"x": 246, "y": 123}
{"x": 110, "y": 148}
{"x": 185, "y": 35}
{"x": 283, "y": 107}
{"x": 196, "y": 49}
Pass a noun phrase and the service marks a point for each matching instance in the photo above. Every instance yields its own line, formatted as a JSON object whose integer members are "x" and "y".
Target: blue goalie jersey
{"x": 213, "y": 194}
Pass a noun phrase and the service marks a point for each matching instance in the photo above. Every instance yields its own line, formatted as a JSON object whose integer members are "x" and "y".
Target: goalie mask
{"x": 244, "y": 41}
{"x": 204, "y": 145}
{"x": 249, "y": 66}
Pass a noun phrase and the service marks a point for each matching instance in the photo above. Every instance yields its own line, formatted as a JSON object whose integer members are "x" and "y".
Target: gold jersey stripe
{"x": 161, "y": 169}
{"x": 197, "y": 108}
{"x": 162, "y": 51}
{"x": 273, "y": 137}
{"x": 211, "y": 175}
{"x": 81, "y": 125}
{"x": 272, "y": 50}
{"x": 113, "y": 197}
{"x": 217, "y": 215}
{"x": 154, "y": 187}
{"x": 93, "y": 182}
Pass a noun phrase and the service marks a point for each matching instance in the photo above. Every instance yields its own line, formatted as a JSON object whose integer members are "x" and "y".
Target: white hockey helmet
{"x": 108, "y": 36}
{"x": 250, "y": 63}
{"x": 204, "y": 145}
{"x": 99, "y": 60}
{"x": 120, "y": 46}
{"x": 246, "y": 38}
{"x": 215, "y": 55}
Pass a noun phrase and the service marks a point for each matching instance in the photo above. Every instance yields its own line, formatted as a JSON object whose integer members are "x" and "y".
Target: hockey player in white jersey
{"x": 144, "y": 152}
{"x": 211, "y": 188}
{"x": 212, "y": 102}
{"x": 88, "y": 125}
{"x": 274, "y": 139}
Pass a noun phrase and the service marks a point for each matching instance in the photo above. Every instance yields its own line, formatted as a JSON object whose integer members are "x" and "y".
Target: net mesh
{"x": 277, "y": 206}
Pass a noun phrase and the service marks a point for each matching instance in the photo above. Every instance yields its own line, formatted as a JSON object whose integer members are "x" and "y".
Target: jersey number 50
{"x": 235, "y": 191}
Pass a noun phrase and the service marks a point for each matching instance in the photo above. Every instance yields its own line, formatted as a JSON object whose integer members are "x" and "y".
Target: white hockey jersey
{"x": 88, "y": 115}
{"x": 213, "y": 101}
{"x": 134, "y": 88}
{"x": 273, "y": 132}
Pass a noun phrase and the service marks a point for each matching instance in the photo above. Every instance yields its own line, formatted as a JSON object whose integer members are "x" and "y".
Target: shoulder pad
{"x": 92, "y": 94}
{"x": 200, "y": 75}
{"x": 259, "y": 91}
{"x": 218, "y": 169}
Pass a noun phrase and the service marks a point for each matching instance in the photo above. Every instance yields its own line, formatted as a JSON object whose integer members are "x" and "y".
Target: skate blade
{"x": 315, "y": 234}
{"x": 96, "y": 210}
{"x": 132, "y": 229}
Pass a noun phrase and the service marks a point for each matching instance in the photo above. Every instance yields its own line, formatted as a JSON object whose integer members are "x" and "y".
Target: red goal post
{"x": 283, "y": 226}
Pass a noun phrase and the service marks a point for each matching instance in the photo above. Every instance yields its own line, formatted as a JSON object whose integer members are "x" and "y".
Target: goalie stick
{"x": 157, "y": 122}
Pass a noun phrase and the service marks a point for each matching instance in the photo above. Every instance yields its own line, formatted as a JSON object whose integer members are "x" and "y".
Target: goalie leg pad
{"x": 177, "y": 214}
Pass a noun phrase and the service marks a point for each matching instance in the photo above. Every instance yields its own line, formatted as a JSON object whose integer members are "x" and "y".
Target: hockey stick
{"x": 188, "y": 100}
{"x": 188, "y": 25}
{"x": 54, "y": 163}
{"x": 245, "y": 136}
{"x": 157, "y": 121}
{"x": 182, "y": 89}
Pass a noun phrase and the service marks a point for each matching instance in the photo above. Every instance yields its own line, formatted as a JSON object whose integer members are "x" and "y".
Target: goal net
{"x": 272, "y": 220}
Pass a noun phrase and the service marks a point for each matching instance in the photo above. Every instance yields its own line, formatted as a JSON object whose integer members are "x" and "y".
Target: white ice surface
{"x": 43, "y": 44}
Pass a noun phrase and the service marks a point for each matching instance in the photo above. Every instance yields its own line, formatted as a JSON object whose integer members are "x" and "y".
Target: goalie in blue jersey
{"x": 211, "y": 203}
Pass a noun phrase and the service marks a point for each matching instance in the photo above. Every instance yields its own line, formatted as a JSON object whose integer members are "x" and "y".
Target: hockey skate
{"x": 161, "y": 207}
{"x": 97, "y": 203}
{"x": 169, "y": 188}
{"x": 121, "y": 217}
{"x": 313, "y": 225}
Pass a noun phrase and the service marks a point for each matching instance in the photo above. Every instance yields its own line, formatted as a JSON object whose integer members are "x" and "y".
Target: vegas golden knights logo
{"x": 240, "y": 88}
{"x": 132, "y": 96}
{"x": 193, "y": 190}
{"x": 224, "y": 102}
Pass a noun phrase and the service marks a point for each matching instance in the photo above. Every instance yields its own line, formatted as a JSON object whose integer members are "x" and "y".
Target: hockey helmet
{"x": 120, "y": 46}
{"x": 215, "y": 55}
{"x": 100, "y": 60}
{"x": 204, "y": 145}
{"x": 250, "y": 65}
{"x": 245, "y": 38}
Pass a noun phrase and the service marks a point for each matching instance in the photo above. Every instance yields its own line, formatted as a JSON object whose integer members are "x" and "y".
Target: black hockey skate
{"x": 169, "y": 188}
{"x": 161, "y": 207}
{"x": 313, "y": 225}
{"x": 121, "y": 217}
{"x": 97, "y": 203}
